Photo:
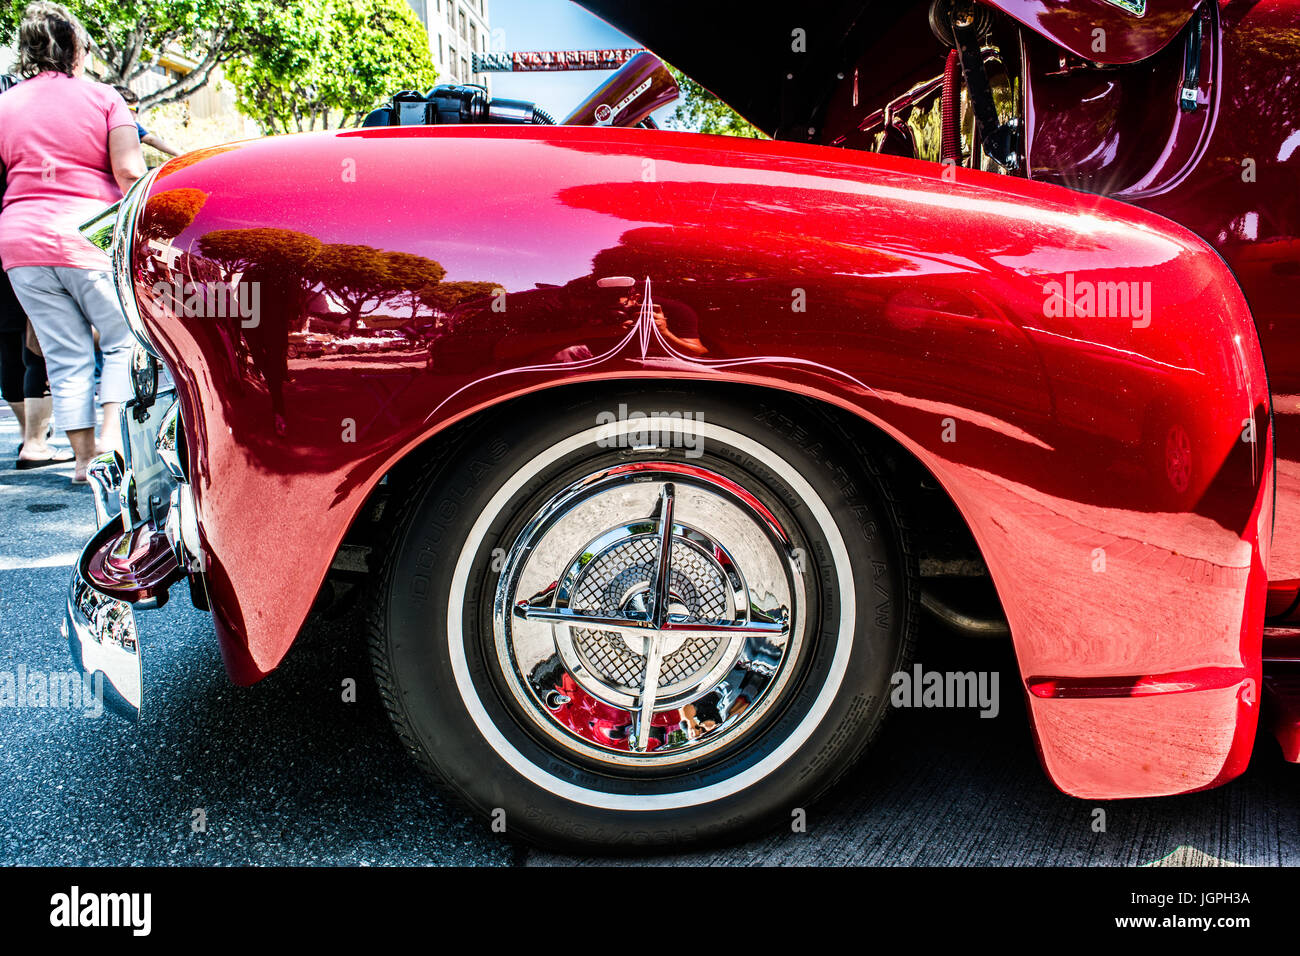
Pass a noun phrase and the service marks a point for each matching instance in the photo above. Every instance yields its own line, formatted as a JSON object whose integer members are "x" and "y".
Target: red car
{"x": 650, "y": 448}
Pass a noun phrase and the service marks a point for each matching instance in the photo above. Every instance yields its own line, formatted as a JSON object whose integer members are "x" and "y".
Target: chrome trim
{"x": 103, "y": 639}
{"x": 170, "y": 442}
{"x": 101, "y": 631}
{"x": 99, "y": 230}
{"x": 147, "y": 481}
{"x": 144, "y": 366}
{"x": 118, "y": 240}
{"x": 105, "y": 478}
{"x": 182, "y": 530}
{"x": 1136, "y": 7}
{"x": 123, "y": 251}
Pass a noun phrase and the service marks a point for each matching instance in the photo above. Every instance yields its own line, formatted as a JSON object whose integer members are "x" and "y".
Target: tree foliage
{"x": 353, "y": 54}
{"x": 130, "y": 37}
{"x": 171, "y": 212}
{"x": 701, "y": 112}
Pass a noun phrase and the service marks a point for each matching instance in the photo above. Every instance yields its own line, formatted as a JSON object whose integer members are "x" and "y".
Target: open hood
{"x": 748, "y": 58}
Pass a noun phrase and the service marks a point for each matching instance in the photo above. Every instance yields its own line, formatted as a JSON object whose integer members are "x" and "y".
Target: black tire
{"x": 439, "y": 672}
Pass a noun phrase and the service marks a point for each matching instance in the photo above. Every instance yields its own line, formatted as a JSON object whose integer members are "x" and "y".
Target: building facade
{"x": 457, "y": 29}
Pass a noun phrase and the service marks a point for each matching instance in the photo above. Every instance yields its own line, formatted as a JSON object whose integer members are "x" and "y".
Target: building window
{"x": 473, "y": 37}
{"x": 440, "y": 57}
{"x": 464, "y": 67}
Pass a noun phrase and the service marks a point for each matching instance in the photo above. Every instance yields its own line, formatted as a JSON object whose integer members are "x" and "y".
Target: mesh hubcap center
{"x": 618, "y": 582}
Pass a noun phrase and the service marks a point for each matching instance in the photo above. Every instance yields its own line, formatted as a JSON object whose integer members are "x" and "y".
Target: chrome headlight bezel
{"x": 144, "y": 376}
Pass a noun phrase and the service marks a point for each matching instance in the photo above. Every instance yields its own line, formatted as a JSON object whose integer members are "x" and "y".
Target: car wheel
{"x": 611, "y": 630}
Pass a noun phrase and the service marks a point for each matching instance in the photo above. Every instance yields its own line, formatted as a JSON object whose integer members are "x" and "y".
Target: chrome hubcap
{"x": 649, "y": 613}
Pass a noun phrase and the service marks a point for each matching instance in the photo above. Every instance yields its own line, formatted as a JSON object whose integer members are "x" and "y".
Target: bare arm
{"x": 125, "y": 156}
{"x": 158, "y": 143}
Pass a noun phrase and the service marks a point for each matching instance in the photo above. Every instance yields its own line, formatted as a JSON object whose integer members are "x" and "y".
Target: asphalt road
{"x": 288, "y": 773}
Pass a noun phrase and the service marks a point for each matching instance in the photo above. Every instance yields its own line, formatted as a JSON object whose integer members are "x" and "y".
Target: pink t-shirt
{"x": 54, "y": 146}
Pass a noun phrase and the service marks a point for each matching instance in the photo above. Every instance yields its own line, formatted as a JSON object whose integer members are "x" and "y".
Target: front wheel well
{"x": 955, "y": 580}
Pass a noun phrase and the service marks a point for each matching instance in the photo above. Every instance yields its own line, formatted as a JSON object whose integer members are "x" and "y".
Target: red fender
{"x": 1083, "y": 377}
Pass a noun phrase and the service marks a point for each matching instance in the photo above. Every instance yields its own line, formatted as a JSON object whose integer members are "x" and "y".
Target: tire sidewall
{"x": 433, "y": 672}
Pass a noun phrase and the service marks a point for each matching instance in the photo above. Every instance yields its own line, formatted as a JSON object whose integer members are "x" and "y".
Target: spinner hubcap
{"x": 649, "y": 613}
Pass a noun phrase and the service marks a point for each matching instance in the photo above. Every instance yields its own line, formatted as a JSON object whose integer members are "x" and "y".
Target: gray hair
{"x": 50, "y": 38}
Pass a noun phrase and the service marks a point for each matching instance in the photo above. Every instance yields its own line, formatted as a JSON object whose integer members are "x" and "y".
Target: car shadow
{"x": 947, "y": 787}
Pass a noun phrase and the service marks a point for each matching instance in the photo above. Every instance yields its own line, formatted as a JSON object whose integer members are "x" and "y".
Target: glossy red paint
{"x": 130, "y": 565}
{"x": 1124, "y": 37}
{"x": 1098, "y": 458}
{"x": 1229, "y": 171}
{"x": 1242, "y": 195}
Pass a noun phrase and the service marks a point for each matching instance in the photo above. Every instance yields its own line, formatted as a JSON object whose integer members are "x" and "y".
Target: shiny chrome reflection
{"x": 98, "y": 230}
{"x": 102, "y": 637}
{"x": 105, "y": 478}
{"x": 122, "y": 254}
{"x": 649, "y": 613}
{"x": 182, "y": 530}
{"x": 170, "y": 442}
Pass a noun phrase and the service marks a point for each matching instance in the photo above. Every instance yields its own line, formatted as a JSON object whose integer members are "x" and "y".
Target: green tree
{"x": 411, "y": 276}
{"x": 129, "y": 37}
{"x": 353, "y": 275}
{"x": 170, "y": 212}
{"x": 355, "y": 54}
{"x": 446, "y": 296}
{"x": 701, "y": 112}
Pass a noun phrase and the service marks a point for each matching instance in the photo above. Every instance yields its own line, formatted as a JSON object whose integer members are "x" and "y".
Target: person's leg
{"x": 22, "y": 381}
{"x": 97, "y": 297}
{"x": 13, "y": 323}
{"x": 36, "y": 395}
{"x": 36, "y": 430}
{"x": 66, "y": 342}
{"x": 11, "y": 373}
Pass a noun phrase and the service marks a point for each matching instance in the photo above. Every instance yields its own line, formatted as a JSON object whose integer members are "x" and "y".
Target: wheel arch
{"x": 922, "y": 499}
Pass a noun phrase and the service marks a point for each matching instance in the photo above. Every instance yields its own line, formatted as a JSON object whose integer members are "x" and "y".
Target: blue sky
{"x": 551, "y": 25}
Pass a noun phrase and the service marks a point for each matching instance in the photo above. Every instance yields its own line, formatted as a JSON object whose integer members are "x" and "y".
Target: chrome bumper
{"x": 102, "y": 639}
{"x": 142, "y": 511}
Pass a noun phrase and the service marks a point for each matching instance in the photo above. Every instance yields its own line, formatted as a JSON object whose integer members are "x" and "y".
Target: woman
{"x": 69, "y": 147}
{"x": 22, "y": 371}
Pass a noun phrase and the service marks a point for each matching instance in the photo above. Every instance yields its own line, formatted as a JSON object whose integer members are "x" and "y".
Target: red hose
{"x": 950, "y": 151}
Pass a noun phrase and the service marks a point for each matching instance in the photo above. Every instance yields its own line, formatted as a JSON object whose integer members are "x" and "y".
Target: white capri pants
{"x": 63, "y": 304}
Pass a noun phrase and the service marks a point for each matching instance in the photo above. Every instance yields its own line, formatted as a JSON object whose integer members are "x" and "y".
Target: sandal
{"x": 56, "y": 458}
{"x": 49, "y": 433}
